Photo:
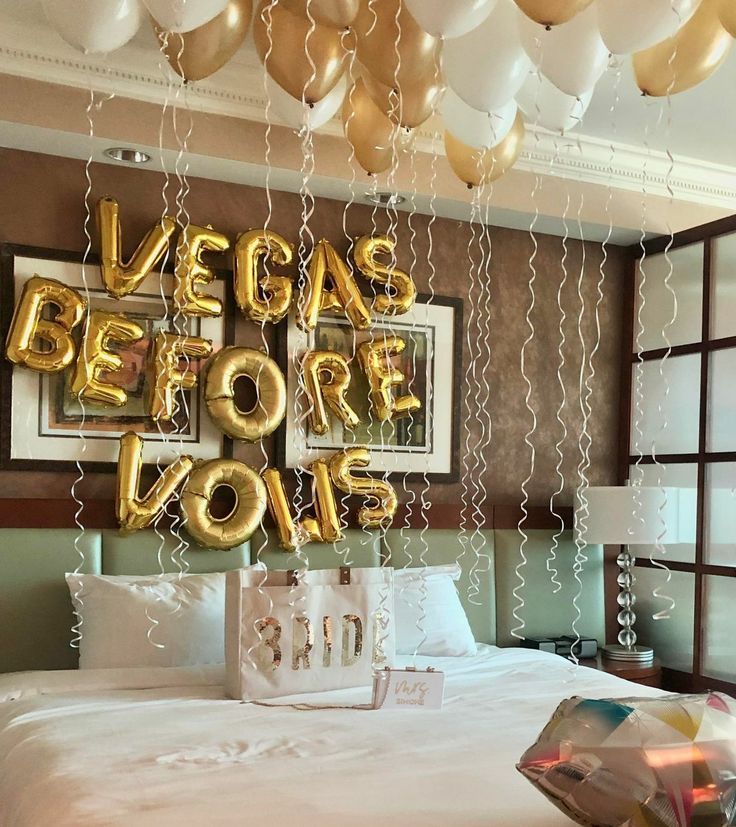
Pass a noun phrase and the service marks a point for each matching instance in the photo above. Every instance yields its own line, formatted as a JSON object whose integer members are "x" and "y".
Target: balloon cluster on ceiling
{"x": 483, "y": 65}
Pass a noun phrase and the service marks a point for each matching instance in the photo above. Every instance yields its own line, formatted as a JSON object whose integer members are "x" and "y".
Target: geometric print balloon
{"x": 639, "y": 762}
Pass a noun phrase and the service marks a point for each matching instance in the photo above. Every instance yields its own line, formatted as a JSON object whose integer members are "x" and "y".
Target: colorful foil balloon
{"x": 262, "y": 298}
{"x": 400, "y": 291}
{"x": 689, "y": 57}
{"x": 191, "y": 270}
{"x": 306, "y": 61}
{"x": 133, "y": 511}
{"x": 375, "y": 358}
{"x": 27, "y": 325}
{"x": 167, "y": 377}
{"x": 95, "y": 358}
{"x": 199, "y": 53}
{"x": 326, "y": 381}
{"x": 639, "y": 762}
{"x": 242, "y": 522}
{"x": 344, "y": 296}
{"x": 380, "y": 490}
{"x": 121, "y": 278}
{"x": 224, "y": 369}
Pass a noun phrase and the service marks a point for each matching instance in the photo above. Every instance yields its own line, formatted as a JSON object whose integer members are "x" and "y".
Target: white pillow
{"x": 116, "y": 612}
{"x": 446, "y": 626}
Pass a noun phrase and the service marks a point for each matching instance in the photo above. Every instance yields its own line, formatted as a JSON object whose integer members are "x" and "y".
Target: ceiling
{"x": 697, "y": 127}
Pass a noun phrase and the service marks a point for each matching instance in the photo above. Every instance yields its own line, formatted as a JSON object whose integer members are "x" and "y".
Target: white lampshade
{"x": 619, "y": 515}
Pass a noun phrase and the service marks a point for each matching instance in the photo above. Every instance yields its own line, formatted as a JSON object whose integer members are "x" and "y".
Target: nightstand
{"x": 650, "y": 675}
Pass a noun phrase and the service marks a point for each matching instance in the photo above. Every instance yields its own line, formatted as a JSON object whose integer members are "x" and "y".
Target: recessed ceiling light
{"x": 385, "y": 199}
{"x": 127, "y": 155}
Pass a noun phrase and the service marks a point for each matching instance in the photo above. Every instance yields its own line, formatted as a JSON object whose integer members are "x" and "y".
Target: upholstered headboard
{"x": 36, "y": 615}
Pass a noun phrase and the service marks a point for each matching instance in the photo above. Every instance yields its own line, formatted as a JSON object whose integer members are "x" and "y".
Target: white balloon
{"x": 94, "y": 26}
{"x": 184, "y": 15}
{"x": 632, "y": 25}
{"x": 545, "y": 105}
{"x": 475, "y": 128}
{"x": 487, "y": 66}
{"x": 449, "y": 18}
{"x": 292, "y": 112}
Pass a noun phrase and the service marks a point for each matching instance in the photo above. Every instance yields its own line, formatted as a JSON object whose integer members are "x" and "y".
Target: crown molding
{"x": 237, "y": 91}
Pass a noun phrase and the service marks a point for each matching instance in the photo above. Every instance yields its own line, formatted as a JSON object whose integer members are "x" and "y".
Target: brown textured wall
{"x": 42, "y": 204}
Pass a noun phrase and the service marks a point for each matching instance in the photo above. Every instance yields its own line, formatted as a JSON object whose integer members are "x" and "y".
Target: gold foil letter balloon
{"x": 223, "y": 371}
{"x": 28, "y": 325}
{"x": 133, "y": 511}
{"x": 95, "y": 358}
{"x": 122, "y": 278}
{"x": 375, "y": 357}
{"x": 166, "y": 375}
{"x": 324, "y": 528}
{"x": 344, "y": 295}
{"x": 401, "y": 292}
{"x": 198, "y": 53}
{"x": 326, "y": 381}
{"x": 241, "y": 523}
{"x": 266, "y": 298}
{"x": 380, "y": 490}
{"x": 190, "y": 270}
{"x": 552, "y": 12}
{"x": 687, "y": 58}
{"x": 305, "y": 60}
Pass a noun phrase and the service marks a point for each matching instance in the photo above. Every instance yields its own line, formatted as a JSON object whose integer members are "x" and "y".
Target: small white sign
{"x": 408, "y": 689}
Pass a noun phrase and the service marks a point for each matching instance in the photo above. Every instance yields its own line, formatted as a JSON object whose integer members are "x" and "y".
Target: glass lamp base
{"x": 634, "y": 654}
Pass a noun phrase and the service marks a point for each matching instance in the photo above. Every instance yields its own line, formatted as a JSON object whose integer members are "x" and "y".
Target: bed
{"x": 166, "y": 747}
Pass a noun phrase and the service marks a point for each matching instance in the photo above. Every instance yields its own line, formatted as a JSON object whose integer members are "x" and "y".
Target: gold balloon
{"x": 687, "y": 58}
{"x": 133, "y": 511}
{"x": 122, "y": 278}
{"x": 368, "y": 130}
{"x": 95, "y": 358}
{"x": 401, "y": 292}
{"x": 326, "y": 381}
{"x": 199, "y": 53}
{"x": 250, "y": 503}
{"x": 727, "y": 14}
{"x": 27, "y": 325}
{"x": 190, "y": 270}
{"x": 481, "y": 166}
{"x": 411, "y": 104}
{"x": 306, "y": 63}
{"x": 166, "y": 375}
{"x": 227, "y": 366}
{"x": 337, "y": 13}
{"x": 375, "y": 357}
{"x": 381, "y": 490}
{"x": 552, "y": 12}
{"x": 345, "y": 295}
{"x": 324, "y": 528}
{"x": 268, "y": 298}
{"x": 393, "y": 46}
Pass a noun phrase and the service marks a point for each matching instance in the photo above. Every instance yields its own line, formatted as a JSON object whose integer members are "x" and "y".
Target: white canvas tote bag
{"x": 327, "y": 632}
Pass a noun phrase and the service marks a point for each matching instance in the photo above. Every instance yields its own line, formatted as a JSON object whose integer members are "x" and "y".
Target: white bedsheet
{"x": 90, "y": 754}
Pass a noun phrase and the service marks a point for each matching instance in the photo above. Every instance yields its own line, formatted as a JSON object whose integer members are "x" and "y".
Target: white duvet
{"x": 99, "y": 748}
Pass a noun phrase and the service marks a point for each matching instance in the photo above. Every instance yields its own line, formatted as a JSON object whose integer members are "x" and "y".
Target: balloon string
{"x": 77, "y": 601}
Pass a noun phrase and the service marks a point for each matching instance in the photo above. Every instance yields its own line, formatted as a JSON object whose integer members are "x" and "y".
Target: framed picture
{"x": 427, "y": 442}
{"x": 41, "y": 418}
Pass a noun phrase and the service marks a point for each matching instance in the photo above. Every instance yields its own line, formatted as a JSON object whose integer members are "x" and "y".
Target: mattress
{"x": 165, "y": 747}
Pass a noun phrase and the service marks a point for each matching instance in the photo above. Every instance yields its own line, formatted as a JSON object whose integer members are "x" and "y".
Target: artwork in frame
{"x": 425, "y": 443}
{"x": 41, "y": 418}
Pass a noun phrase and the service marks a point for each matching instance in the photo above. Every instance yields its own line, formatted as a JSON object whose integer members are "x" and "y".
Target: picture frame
{"x": 426, "y": 445}
{"x": 40, "y": 418}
